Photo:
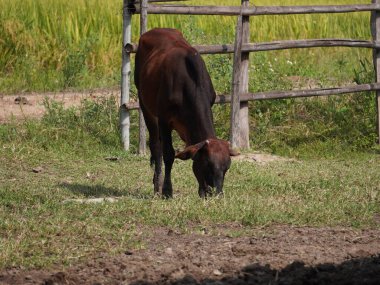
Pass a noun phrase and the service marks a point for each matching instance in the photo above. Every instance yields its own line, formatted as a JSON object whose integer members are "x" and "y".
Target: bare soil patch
{"x": 261, "y": 158}
{"x": 274, "y": 255}
{"x": 30, "y": 105}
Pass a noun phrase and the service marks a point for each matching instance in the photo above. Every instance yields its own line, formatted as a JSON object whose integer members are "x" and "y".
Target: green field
{"x": 38, "y": 228}
{"x": 332, "y": 179}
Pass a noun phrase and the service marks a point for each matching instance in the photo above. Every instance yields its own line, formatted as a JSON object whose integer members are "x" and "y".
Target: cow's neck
{"x": 201, "y": 129}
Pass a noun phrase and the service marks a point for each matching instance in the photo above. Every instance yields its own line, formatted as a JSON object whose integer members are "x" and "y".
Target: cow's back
{"x": 173, "y": 83}
{"x": 154, "y": 44}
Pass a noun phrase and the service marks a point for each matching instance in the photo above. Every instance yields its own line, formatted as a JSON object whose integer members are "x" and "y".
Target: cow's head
{"x": 211, "y": 160}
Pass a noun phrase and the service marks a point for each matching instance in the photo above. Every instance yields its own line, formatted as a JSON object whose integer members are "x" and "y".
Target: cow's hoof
{"x": 167, "y": 196}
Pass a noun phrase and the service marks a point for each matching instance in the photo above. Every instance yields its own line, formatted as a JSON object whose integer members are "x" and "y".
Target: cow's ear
{"x": 191, "y": 150}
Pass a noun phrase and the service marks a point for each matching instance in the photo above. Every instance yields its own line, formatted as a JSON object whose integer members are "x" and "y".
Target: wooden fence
{"x": 239, "y": 130}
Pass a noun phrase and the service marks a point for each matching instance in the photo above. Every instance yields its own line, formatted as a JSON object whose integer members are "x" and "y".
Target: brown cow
{"x": 176, "y": 92}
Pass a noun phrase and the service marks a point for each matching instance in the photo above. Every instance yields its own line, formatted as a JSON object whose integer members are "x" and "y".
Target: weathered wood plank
{"x": 277, "y": 45}
{"x": 221, "y": 99}
{"x": 125, "y": 72}
{"x": 244, "y": 82}
{"x": 154, "y": 1}
{"x": 144, "y": 16}
{"x": 375, "y": 30}
{"x": 142, "y": 126}
{"x": 257, "y": 10}
{"x": 310, "y": 92}
{"x": 236, "y": 77}
{"x": 291, "y": 44}
{"x": 287, "y": 10}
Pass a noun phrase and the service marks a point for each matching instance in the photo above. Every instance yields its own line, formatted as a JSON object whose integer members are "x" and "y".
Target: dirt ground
{"x": 30, "y": 105}
{"x": 273, "y": 255}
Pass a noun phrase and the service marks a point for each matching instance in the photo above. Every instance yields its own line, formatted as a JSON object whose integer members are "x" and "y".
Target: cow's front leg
{"x": 155, "y": 148}
{"x": 201, "y": 192}
{"x": 204, "y": 190}
{"x": 168, "y": 155}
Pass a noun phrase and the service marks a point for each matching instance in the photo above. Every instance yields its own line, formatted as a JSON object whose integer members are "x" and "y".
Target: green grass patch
{"x": 38, "y": 228}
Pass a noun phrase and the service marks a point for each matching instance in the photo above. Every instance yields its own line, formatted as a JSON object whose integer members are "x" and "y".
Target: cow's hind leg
{"x": 155, "y": 150}
{"x": 168, "y": 154}
{"x": 156, "y": 159}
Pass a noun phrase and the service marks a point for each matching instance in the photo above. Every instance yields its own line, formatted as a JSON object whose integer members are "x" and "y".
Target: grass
{"x": 51, "y": 45}
{"x": 39, "y": 229}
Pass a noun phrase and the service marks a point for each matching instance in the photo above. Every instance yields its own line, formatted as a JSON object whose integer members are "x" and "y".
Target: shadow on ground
{"x": 364, "y": 271}
{"x": 357, "y": 271}
{"x": 101, "y": 191}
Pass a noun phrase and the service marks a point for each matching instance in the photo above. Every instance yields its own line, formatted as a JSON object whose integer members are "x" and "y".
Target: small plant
{"x": 75, "y": 64}
{"x": 220, "y": 70}
{"x": 365, "y": 73}
{"x": 90, "y": 126}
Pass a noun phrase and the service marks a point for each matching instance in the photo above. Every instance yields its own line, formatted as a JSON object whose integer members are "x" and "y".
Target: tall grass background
{"x": 56, "y": 44}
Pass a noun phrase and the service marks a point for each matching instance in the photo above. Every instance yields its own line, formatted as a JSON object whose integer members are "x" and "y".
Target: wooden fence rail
{"x": 276, "y": 45}
{"x": 256, "y": 10}
{"x": 153, "y": 1}
{"x": 270, "y": 95}
{"x": 239, "y": 134}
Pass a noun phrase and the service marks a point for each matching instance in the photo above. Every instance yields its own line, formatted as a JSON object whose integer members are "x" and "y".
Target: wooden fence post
{"x": 244, "y": 112}
{"x": 239, "y": 130}
{"x": 142, "y": 126}
{"x": 125, "y": 73}
{"x": 235, "y": 97}
{"x": 375, "y": 29}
